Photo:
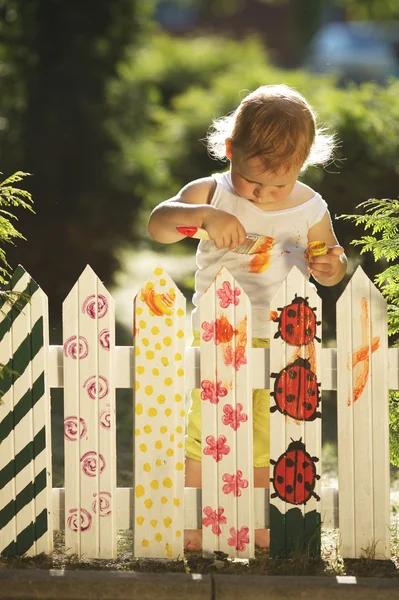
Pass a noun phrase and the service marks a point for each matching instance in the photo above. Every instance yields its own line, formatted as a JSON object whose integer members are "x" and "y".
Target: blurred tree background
{"x": 106, "y": 104}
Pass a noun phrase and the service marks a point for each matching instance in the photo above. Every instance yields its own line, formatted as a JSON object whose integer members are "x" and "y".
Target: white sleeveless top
{"x": 260, "y": 275}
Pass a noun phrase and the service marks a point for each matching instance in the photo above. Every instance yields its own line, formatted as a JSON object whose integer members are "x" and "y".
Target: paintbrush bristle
{"x": 255, "y": 244}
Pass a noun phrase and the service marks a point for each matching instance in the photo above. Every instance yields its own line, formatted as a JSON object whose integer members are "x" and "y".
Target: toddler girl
{"x": 269, "y": 140}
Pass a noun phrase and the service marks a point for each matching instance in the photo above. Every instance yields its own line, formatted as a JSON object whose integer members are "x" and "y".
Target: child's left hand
{"x": 327, "y": 267}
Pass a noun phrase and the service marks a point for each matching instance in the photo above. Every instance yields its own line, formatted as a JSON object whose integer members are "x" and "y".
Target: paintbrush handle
{"x": 196, "y": 233}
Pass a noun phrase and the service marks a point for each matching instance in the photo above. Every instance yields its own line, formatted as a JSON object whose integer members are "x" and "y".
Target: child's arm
{"x": 191, "y": 206}
{"x": 328, "y": 270}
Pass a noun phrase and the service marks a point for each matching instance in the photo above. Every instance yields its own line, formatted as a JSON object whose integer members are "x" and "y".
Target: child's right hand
{"x": 224, "y": 229}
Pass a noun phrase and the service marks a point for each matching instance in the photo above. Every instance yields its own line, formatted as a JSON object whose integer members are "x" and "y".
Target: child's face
{"x": 262, "y": 188}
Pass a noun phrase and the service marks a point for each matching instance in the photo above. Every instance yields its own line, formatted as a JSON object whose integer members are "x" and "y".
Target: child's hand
{"x": 224, "y": 229}
{"x": 326, "y": 269}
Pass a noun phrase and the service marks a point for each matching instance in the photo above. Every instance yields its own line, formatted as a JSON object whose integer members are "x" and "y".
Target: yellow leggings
{"x": 261, "y": 420}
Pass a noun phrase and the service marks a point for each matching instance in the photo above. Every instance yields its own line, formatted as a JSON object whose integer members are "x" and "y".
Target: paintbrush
{"x": 254, "y": 244}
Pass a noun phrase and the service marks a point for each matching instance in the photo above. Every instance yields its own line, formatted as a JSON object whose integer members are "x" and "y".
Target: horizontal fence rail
{"x": 161, "y": 367}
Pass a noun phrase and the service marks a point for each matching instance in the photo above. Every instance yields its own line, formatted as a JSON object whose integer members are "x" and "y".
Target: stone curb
{"x": 27, "y": 584}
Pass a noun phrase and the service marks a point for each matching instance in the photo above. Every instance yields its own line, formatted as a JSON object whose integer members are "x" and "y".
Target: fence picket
{"x": 159, "y": 420}
{"x": 25, "y": 434}
{"x": 295, "y": 423}
{"x": 89, "y": 426}
{"x": 362, "y": 401}
{"x": 226, "y": 416}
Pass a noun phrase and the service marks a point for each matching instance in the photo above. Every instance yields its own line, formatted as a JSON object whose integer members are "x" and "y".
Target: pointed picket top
{"x": 159, "y": 418}
{"x": 89, "y": 418}
{"x": 25, "y": 435}
{"x": 295, "y": 416}
{"x": 226, "y": 415}
{"x": 363, "y": 433}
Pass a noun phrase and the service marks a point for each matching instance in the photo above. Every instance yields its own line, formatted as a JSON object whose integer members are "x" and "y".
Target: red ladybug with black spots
{"x": 297, "y": 323}
{"x": 294, "y": 475}
{"x": 296, "y": 391}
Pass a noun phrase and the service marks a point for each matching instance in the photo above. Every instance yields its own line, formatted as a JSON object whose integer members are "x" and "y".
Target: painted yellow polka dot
{"x": 159, "y": 462}
{"x": 140, "y": 370}
{"x": 145, "y": 543}
{"x": 164, "y": 499}
{"x": 154, "y": 330}
{"x": 171, "y": 438}
{"x": 164, "y": 361}
{"x": 158, "y": 537}
{"x": 158, "y": 346}
{"x": 142, "y": 324}
{"x": 139, "y": 409}
{"x": 176, "y": 501}
{"x": 158, "y": 444}
{"x": 167, "y": 482}
{"x": 139, "y": 310}
{"x": 143, "y": 447}
{"x": 149, "y": 355}
{"x": 167, "y": 341}
{"x": 136, "y": 385}
{"x": 178, "y": 356}
{"x": 179, "y": 429}
{"x": 169, "y": 322}
{"x": 148, "y": 503}
{"x": 168, "y": 549}
{"x": 137, "y": 351}
{"x": 162, "y": 282}
{"x": 147, "y": 429}
{"x": 137, "y": 432}
{"x": 155, "y": 372}
{"x": 140, "y": 491}
{"x": 180, "y": 445}
{"x": 145, "y": 342}
{"x": 180, "y": 372}
{"x": 170, "y": 452}
{"x": 161, "y": 399}
{"x": 168, "y": 412}
{"x": 139, "y": 520}
{"x": 167, "y": 522}
{"x": 179, "y": 466}
{"x": 178, "y": 533}
{"x": 163, "y": 429}
{"x": 152, "y": 412}
{"x": 158, "y": 271}
{"x": 154, "y": 522}
{"x": 182, "y": 413}
{"x": 154, "y": 484}
{"x": 168, "y": 381}
{"x": 180, "y": 334}
{"x": 147, "y": 467}
{"x": 178, "y": 398}
{"x": 148, "y": 390}
{"x": 180, "y": 312}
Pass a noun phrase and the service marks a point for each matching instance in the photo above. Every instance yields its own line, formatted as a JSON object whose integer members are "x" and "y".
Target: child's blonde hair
{"x": 276, "y": 124}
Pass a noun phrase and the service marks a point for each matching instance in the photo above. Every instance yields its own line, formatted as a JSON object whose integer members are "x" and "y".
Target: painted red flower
{"x": 227, "y": 295}
{"x": 234, "y": 417}
{"x": 211, "y": 392}
{"x": 214, "y": 519}
{"x": 239, "y": 538}
{"x": 218, "y": 448}
{"x": 209, "y": 330}
{"x": 234, "y": 483}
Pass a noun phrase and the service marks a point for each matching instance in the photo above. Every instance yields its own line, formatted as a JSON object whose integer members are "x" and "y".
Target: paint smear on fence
{"x": 362, "y": 354}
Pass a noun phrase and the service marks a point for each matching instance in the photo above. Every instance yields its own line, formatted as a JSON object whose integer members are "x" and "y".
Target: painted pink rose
{"x": 73, "y": 520}
{"x": 89, "y": 462}
{"x": 71, "y": 428}
{"x": 95, "y": 383}
{"x": 76, "y": 348}
{"x": 105, "y": 504}
{"x": 95, "y": 306}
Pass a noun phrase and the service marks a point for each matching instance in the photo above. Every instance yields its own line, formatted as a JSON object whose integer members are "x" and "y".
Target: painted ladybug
{"x": 294, "y": 475}
{"x": 296, "y": 391}
{"x": 297, "y": 323}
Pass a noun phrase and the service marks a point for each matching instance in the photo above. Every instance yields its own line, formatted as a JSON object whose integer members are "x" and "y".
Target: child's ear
{"x": 229, "y": 148}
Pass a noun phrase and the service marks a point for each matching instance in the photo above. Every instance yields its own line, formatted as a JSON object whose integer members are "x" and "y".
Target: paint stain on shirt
{"x": 261, "y": 260}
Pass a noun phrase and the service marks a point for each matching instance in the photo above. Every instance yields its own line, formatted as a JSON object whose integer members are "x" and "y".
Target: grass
{"x": 330, "y": 564}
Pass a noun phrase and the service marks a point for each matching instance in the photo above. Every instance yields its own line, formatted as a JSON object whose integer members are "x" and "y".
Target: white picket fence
{"x": 162, "y": 367}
